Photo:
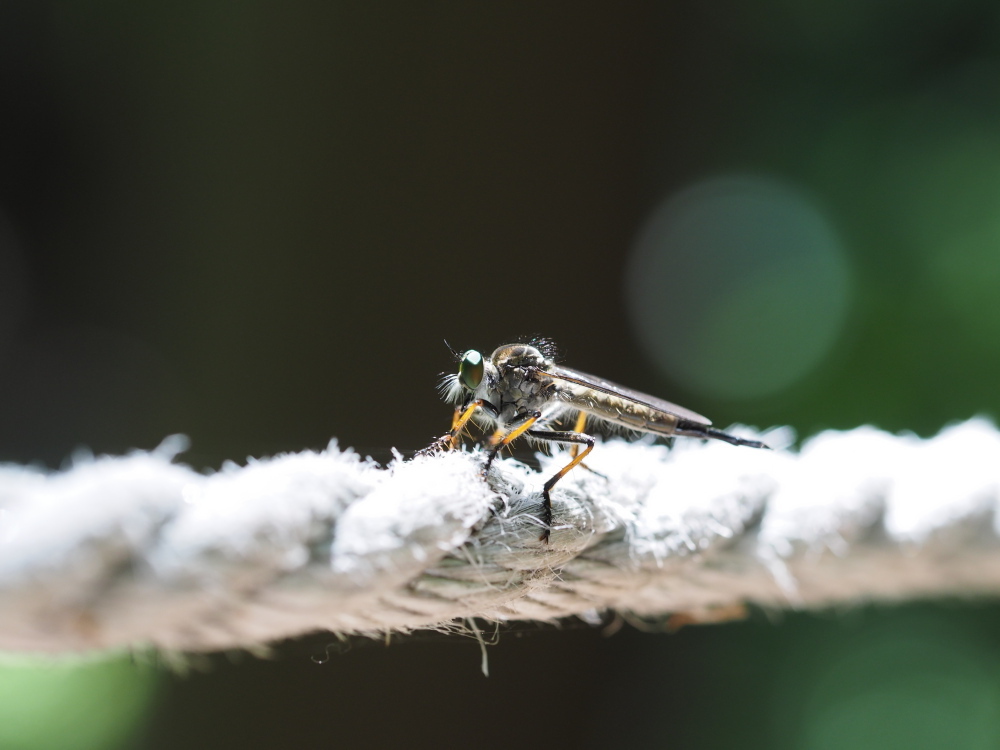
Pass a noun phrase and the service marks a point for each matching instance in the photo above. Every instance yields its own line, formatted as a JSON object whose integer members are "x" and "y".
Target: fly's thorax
{"x": 518, "y": 355}
{"x": 523, "y": 389}
{"x": 521, "y": 378}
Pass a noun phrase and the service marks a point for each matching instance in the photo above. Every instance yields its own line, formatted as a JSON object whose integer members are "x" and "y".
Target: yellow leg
{"x": 452, "y": 439}
{"x": 566, "y": 469}
{"x": 458, "y": 421}
{"x": 581, "y": 422}
{"x": 498, "y": 443}
{"x": 514, "y": 434}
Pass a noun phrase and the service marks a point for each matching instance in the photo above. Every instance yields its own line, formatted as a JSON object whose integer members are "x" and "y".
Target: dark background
{"x": 254, "y": 223}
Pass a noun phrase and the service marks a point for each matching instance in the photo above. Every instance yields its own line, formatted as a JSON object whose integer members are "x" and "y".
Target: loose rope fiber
{"x": 141, "y": 551}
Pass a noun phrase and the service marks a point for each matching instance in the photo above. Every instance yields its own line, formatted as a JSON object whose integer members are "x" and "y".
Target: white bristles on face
{"x": 451, "y": 388}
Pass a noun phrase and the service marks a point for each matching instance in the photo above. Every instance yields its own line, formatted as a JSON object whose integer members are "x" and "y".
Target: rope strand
{"x": 140, "y": 551}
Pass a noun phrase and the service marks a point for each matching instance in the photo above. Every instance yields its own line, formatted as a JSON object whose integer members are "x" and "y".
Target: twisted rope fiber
{"x": 141, "y": 551}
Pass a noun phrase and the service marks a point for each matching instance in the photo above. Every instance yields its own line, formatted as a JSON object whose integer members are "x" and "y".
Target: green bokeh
{"x": 72, "y": 704}
{"x": 739, "y": 288}
{"x": 927, "y": 681}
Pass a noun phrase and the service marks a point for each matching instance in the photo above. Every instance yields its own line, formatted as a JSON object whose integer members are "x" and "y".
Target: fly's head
{"x": 507, "y": 379}
{"x": 476, "y": 379}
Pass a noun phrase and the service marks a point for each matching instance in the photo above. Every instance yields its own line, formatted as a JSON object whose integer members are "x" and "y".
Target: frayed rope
{"x": 140, "y": 551}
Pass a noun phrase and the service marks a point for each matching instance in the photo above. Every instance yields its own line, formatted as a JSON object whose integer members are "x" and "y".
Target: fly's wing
{"x": 606, "y": 386}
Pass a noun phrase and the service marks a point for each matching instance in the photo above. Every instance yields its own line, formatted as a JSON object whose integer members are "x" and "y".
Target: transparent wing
{"x": 606, "y": 386}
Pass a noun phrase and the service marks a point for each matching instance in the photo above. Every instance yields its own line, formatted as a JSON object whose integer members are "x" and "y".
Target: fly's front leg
{"x": 449, "y": 441}
{"x": 459, "y": 419}
{"x": 578, "y": 438}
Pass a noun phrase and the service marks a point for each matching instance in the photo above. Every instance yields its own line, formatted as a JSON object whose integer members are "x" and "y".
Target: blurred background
{"x": 255, "y": 223}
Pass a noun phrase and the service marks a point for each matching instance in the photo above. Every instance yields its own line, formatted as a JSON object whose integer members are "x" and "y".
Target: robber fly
{"x": 520, "y": 391}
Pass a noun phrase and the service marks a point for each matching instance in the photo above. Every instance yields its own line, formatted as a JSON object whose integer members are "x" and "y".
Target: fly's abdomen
{"x": 619, "y": 411}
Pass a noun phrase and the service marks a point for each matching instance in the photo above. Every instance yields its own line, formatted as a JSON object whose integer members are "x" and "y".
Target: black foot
{"x": 546, "y": 517}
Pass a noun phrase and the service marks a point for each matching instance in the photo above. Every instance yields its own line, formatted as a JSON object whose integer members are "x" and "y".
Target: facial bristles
{"x": 450, "y": 388}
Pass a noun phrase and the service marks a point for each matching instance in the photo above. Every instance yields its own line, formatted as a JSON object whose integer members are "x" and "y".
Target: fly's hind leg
{"x": 581, "y": 423}
{"x": 578, "y": 439}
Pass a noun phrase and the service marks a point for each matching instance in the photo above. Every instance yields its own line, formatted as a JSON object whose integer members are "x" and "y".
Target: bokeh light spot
{"x": 738, "y": 287}
{"x": 72, "y": 705}
{"x": 924, "y": 172}
{"x": 966, "y": 273}
{"x": 924, "y": 685}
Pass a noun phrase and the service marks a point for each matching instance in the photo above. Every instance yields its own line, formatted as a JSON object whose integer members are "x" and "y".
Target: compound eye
{"x": 470, "y": 370}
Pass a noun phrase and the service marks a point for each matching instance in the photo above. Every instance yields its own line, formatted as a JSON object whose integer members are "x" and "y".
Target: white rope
{"x": 139, "y": 551}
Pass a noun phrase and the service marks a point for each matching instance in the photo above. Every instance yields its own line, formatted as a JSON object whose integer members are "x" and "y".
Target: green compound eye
{"x": 470, "y": 370}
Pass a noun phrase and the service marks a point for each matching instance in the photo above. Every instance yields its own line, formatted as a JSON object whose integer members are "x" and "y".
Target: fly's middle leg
{"x": 519, "y": 425}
